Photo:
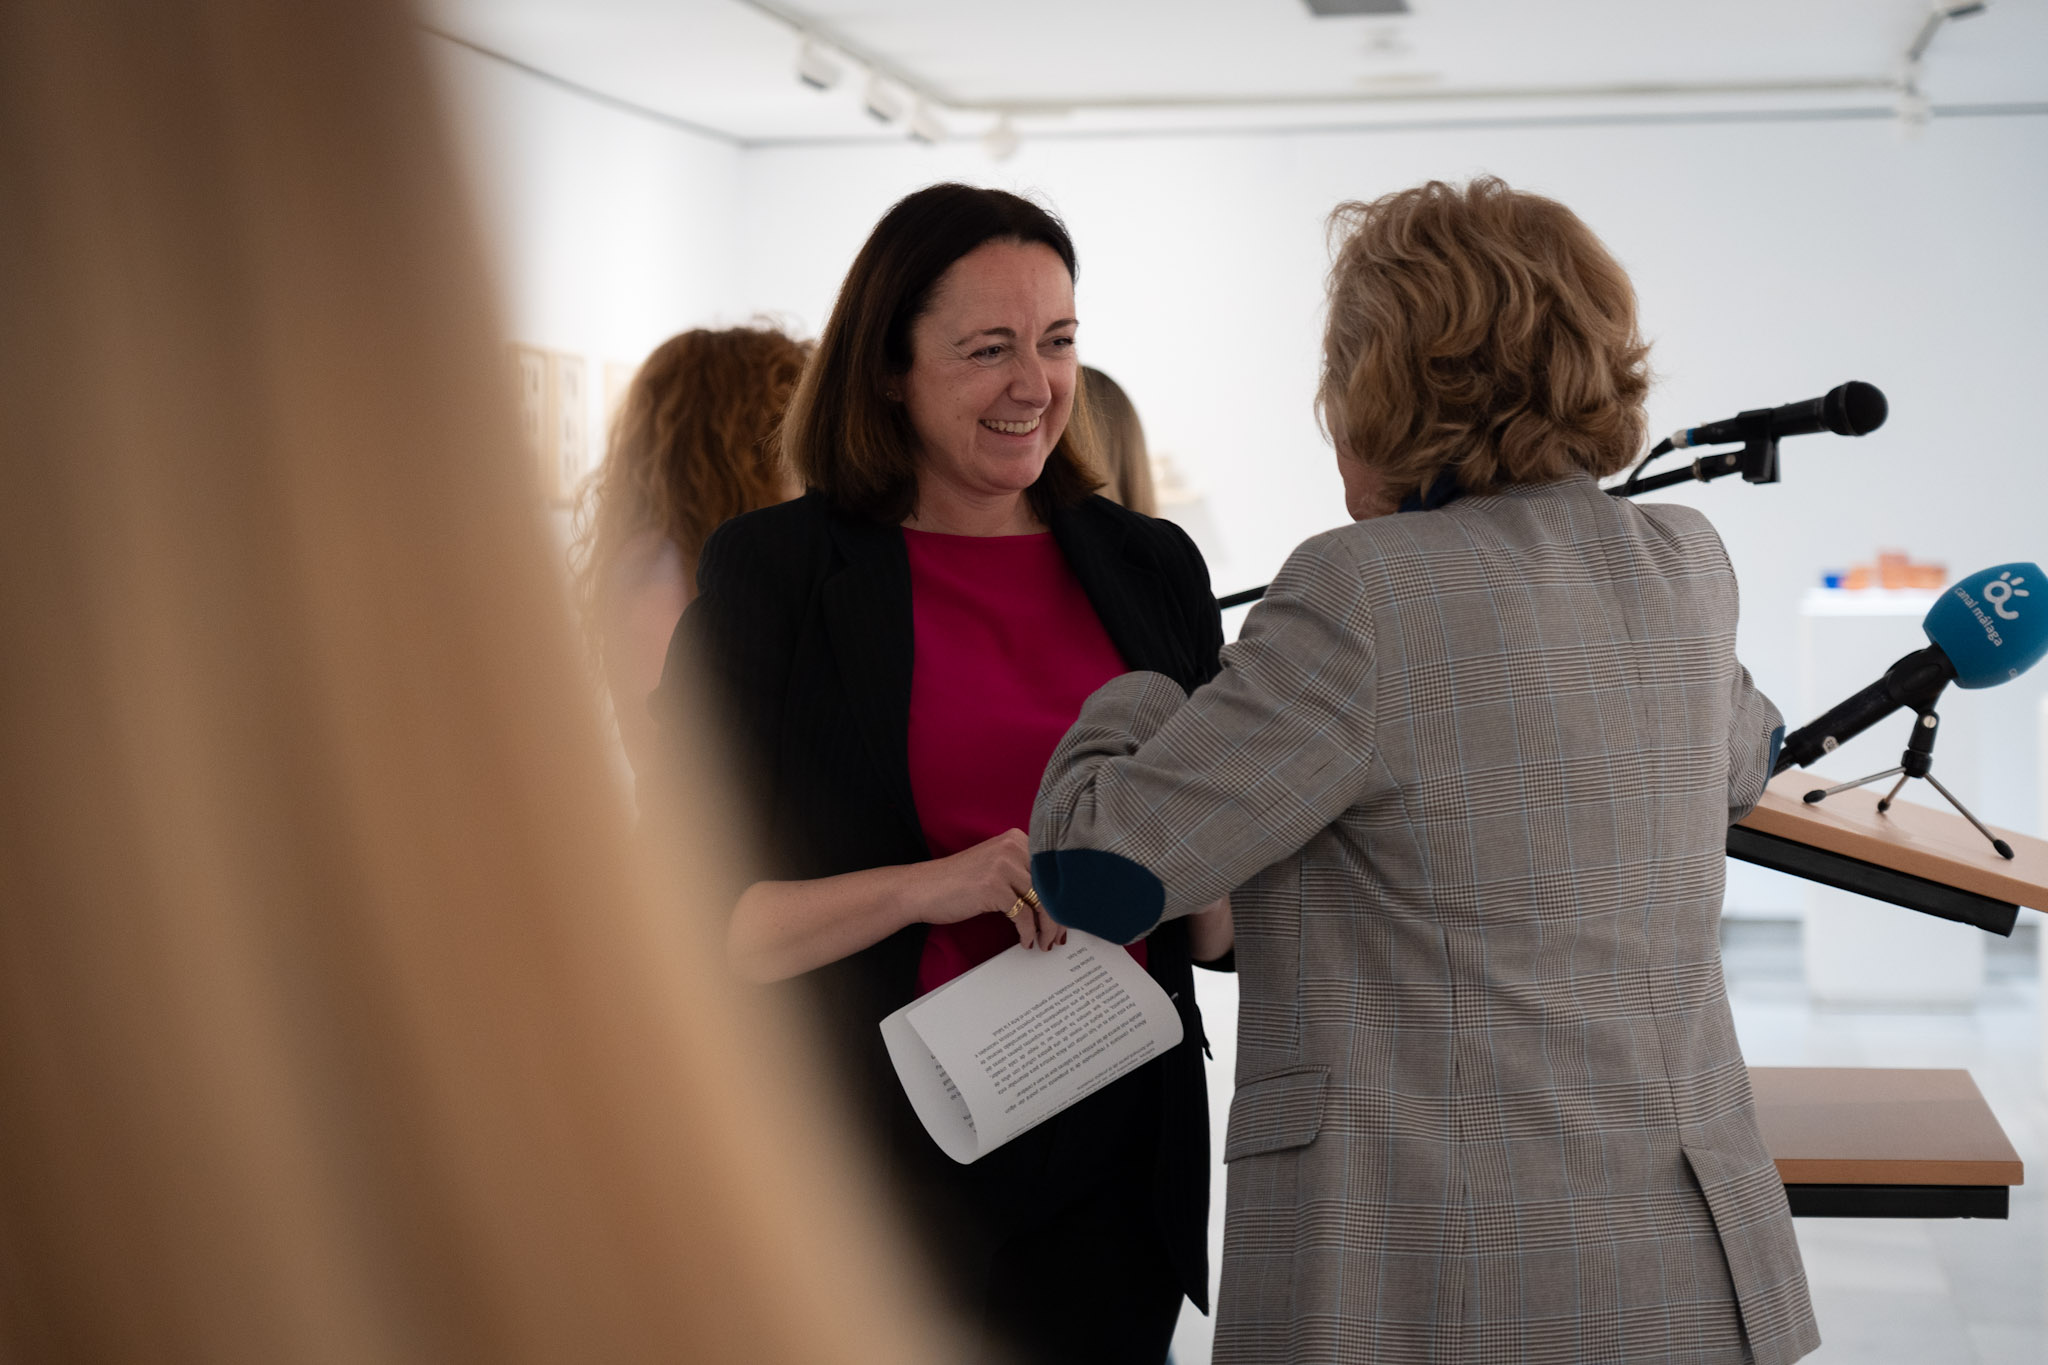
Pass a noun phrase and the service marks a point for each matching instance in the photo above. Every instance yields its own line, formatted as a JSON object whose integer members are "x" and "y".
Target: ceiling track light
{"x": 1001, "y": 141}
{"x": 816, "y": 67}
{"x": 1940, "y": 14}
{"x": 924, "y": 125}
{"x": 1916, "y": 111}
{"x": 883, "y": 104}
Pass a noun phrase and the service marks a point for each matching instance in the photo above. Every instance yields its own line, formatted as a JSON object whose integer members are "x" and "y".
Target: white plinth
{"x": 1860, "y": 951}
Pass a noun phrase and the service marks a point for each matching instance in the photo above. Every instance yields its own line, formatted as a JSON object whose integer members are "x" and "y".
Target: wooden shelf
{"x": 1880, "y": 1126}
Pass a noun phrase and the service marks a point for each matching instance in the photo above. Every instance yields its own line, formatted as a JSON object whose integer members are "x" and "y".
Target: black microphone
{"x": 1914, "y": 681}
{"x": 1851, "y": 409}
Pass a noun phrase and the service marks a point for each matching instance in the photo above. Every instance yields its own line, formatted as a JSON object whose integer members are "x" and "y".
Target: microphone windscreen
{"x": 1993, "y": 625}
{"x": 1854, "y": 408}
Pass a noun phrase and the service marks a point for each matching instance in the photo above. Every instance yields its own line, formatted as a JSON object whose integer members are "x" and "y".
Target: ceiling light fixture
{"x": 1936, "y": 17}
{"x": 925, "y": 126}
{"x": 815, "y": 66}
{"x": 883, "y": 104}
{"x": 1916, "y": 111}
{"x": 1001, "y": 141}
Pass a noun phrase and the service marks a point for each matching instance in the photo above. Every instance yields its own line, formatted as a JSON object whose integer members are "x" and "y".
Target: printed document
{"x": 1001, "y": 1049}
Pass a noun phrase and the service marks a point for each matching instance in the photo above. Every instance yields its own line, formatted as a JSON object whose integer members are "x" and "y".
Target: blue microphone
{"x": 1988, "y": 629}
{"x": 1989, "y": 625}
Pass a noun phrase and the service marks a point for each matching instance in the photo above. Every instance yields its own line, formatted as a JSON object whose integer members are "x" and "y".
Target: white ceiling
{"x": 1081, "y": 66}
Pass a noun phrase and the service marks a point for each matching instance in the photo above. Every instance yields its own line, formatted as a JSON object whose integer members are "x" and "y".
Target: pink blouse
{"x": 1008, "y": 647}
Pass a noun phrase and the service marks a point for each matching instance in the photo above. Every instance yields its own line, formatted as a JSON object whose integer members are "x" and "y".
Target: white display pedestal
{"x": 1860, "y": 951}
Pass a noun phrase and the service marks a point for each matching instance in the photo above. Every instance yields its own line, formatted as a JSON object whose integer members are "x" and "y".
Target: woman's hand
{"x": 992, "y": 877}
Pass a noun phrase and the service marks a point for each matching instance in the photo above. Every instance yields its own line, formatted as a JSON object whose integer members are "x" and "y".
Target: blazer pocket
{"x": 1274, "y": 1112}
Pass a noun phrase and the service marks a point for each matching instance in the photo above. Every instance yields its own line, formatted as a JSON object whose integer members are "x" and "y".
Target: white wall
{"x": 609, "y": 232}
{"x": 1774, "y": 261}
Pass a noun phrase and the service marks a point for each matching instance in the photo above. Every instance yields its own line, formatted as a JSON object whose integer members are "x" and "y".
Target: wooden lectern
{"x": 1871, "y": 1142}
{"x": 1928, "y": 860}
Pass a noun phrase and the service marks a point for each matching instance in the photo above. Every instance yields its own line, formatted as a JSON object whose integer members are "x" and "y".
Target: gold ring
{"x": 1015, "y": 906}
{"x": 1030, "y": 898}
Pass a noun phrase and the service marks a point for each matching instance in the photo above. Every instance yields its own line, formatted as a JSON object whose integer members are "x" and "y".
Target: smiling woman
{"x": 959, "y": 310}
{"x": 896, "y": 654}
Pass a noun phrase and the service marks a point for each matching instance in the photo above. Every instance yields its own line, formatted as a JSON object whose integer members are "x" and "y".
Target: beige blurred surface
{"x": 340, "y": 1018}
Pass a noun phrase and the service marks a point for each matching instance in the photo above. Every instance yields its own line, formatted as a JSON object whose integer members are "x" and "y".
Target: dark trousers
{"x": 1089, "y": 1286}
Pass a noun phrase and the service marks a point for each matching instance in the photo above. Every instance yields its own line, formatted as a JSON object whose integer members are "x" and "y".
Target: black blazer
{"x": 802, "y": 629}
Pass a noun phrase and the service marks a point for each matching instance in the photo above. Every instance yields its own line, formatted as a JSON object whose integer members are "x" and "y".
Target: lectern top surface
{"x": 1936, "y": 844}
{"x": 1880, "y": 1126}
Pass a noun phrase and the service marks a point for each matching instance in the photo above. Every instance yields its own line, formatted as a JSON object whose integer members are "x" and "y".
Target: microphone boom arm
{"x": 1852, "y": 409}
{"x": 1705, "y": 469}
{"x": 1757, "y": 461}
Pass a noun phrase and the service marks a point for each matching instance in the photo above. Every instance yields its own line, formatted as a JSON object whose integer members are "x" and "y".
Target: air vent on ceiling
{"x": 1331, "y": 9}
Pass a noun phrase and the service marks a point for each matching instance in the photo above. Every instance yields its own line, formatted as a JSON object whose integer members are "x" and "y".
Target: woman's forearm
{"x": 783, "y": 929}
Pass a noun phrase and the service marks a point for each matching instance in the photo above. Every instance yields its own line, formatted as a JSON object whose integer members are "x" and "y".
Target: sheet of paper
{"x": 931, "y": 1093}
{"x": 1023, "y": 1036}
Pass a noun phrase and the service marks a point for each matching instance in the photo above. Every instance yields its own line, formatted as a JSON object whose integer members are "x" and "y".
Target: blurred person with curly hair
{"x": 1466, "y": 777}
{"x": 693, "y": 446}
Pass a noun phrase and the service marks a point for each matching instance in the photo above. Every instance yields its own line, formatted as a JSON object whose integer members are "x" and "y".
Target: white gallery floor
{"x": 1887, "y": 1292}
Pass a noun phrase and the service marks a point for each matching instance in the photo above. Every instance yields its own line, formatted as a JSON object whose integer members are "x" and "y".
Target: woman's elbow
{"x": 750, "y": 950}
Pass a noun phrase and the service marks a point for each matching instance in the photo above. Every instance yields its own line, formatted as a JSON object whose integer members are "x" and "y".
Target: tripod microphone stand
{"x": 1917, "y": 761}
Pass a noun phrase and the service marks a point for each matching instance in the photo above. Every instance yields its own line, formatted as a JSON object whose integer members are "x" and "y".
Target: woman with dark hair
{"x": 1467, "y": 775}
{"x": 896, "y": 653}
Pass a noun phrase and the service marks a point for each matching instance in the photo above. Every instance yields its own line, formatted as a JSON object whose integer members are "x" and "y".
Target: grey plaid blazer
{"x": 1466, "y": 777}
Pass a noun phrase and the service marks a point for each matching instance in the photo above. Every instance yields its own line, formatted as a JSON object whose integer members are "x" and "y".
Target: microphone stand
{"x": 1756, "y": 461}
{"x": 1917, "y": 761}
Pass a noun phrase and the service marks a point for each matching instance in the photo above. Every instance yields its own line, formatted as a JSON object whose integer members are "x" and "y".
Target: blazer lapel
{"x": 1128, "y": 591}
{"x": 866, "y": 606}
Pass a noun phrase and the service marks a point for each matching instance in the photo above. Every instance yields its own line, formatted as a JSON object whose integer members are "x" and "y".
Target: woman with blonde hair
{"x": 339, "y": 1018}
{"x": 1120, "y": 436}
{"x": 1466, "y": 776}
{"x": 693, "y": 445}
